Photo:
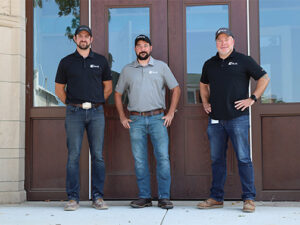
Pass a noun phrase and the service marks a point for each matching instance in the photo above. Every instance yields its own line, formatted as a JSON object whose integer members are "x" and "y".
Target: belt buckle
{"x": 86, "y": 105}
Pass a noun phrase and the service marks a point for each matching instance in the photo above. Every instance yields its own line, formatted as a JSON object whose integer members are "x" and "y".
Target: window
{"x": 202, "y": 22}
{"x": 54, "y": 24}
{"x": 124, "y": 25}
{"x": 279, "y": 49}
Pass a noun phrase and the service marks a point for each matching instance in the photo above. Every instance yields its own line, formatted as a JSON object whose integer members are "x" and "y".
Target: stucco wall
{"x": 12, "y": 101}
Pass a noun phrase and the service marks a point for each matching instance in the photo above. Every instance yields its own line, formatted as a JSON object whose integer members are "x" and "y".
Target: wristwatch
{"x": 253, "y": 97}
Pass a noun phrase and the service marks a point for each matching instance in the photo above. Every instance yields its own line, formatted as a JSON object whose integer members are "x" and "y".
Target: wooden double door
{"x": 174, "y": 37}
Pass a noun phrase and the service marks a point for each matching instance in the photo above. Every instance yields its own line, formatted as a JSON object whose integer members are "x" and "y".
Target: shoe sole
{"x": 165, "y": 207}
{"x": 71, "y": 209}
{"x": 210, "y": 207}
{"x": 248, "y": 210}
{"x": 100, "y": 208}
{"x": 141, "y": 206}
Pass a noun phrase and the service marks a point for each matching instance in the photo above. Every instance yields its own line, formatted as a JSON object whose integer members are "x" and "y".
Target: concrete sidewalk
{"x": 120, "y": 213}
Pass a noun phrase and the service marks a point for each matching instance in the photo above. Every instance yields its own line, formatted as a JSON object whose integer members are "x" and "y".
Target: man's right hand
{"x": 207, "y": 107}
{"x": 125, "y": 122}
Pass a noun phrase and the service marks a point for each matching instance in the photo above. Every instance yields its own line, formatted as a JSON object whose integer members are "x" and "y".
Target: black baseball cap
{"x": 143, "y": 38}
{"x": 83, "y": 28}
{"x": 223, "y": 30}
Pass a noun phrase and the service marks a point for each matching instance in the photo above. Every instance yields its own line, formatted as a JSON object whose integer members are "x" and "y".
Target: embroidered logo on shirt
{"x": 232, "y": 64}
{"x": 154, "y": 72}
{"x": 94, "y": 66}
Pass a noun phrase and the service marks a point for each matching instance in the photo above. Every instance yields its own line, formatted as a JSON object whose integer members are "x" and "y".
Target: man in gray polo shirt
{"x": 145, "y": 80}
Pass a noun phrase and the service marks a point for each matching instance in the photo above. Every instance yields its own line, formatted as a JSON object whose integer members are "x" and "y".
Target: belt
{"x": 87, "y": 105}
{"x": 147, "y": 113}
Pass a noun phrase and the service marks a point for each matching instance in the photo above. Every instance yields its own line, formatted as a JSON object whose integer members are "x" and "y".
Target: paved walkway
{"x": 119, "y": 213}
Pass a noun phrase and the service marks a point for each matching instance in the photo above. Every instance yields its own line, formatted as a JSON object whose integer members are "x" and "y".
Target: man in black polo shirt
{"x": 83, "y": 83}
{"x": 224, "y": 89}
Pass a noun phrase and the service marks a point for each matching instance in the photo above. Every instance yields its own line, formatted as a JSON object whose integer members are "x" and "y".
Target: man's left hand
{"x": 243, "y": 104}
{"x": 168, "y": 119}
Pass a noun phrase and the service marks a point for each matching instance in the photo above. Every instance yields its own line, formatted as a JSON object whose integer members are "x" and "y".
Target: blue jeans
{"x": 237, "y": 130}
{"x": 77, "y": 120}
{"x": 140, "y": 127}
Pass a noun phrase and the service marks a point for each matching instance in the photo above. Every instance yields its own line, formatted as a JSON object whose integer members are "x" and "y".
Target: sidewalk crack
{"x": 164, "y": 217}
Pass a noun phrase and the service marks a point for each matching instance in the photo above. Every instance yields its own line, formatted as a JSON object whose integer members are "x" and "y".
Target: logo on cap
{"x": 223, "y": 31}
{"x": 143, "y": 38}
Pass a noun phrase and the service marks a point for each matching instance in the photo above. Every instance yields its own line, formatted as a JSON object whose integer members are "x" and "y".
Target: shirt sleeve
{"x": 253, "y": 69}
{"x": 169, "y": 78}
{"x": 122, "y": 84}
{"x": 204, "y": 78}
{"x": 61, "y": 77}
{"x": 107, "y": 72}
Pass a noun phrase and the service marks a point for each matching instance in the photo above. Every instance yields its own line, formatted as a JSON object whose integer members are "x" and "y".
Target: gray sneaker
{"x": 71, "y": 205}
{"x": 99, "y": 204}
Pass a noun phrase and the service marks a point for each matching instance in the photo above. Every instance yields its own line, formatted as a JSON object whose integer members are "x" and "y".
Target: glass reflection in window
{"x": 54, "y": 25}
{"x": 124, "y": 25}
{"x": 279, "y": 49}
{"x": 201, "y": 24}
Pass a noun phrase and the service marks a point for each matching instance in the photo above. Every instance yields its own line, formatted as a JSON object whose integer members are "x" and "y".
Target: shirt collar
{"x": 232, "y": 55}
{"x": 91, "y": 54}
{"x": 151, "y": 62}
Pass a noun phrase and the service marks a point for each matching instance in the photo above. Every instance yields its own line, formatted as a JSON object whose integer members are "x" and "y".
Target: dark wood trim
{"x": 29, "y": 81}
{"x": 84, "y": 12}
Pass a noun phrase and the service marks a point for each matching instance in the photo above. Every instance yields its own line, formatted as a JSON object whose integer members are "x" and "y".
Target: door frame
{"x": 186, "y": 185}
{"x": 99, "y": 24}
{"x": 40, "y": 113}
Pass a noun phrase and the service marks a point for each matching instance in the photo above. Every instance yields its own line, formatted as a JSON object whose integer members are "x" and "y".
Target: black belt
{"x": 147, "y": 113}
{"x": 92, "y": 105}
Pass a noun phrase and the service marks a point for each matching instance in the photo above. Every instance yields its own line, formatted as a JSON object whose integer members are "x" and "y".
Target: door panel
{"x": 120, "y": 180}
{"x": 275, "y": 117}
{"x": 189, "y": 147}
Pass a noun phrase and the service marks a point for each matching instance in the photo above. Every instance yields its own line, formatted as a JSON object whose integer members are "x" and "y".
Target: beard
{"x": 146, "y": 56}
{"x": 83, "y": 45}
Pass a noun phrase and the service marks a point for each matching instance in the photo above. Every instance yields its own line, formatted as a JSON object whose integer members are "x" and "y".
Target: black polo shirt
{"x": 228, "y": 81}
{"x": 84, "y": 77}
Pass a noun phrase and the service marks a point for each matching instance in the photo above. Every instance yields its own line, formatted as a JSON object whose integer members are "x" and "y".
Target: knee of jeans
{"x": 164, "y": 164}
{"x": 244, "y": 160}
{"x": 140, "y": 164}
{"x": 98, "y": 158}
{"x": 217, "y": 159}
{"x": 73, "y": 158}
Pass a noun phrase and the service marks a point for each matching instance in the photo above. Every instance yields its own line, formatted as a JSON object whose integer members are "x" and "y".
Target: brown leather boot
{"x": 210, "y": 204}
{"x": 249, "y": 206}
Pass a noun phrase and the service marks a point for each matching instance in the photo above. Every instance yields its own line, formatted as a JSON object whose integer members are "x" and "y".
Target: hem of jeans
{"x": 95, "y": 198}
{"x": 77, "y": 200}
{"x": 217, "y": 199}
{"x": 252, "y": 199}
{"x": 164, "y": 197}
{"x": 148, "y": 197}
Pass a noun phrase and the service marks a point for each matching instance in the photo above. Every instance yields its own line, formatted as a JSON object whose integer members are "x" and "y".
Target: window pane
{"x": 54, "y": 24}
{"x": 123, "y": 27}
{"x": 201, "y": 24}
{"x": 279, "y": 49}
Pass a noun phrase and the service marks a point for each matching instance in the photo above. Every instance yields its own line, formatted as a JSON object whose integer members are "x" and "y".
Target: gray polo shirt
{"x": 145, "y": 85}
